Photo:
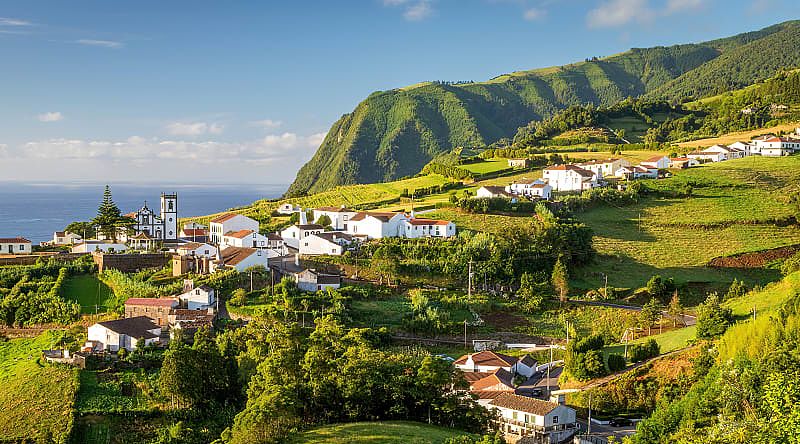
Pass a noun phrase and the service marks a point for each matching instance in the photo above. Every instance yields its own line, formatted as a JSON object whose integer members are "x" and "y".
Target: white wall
{"x": 15, "y": 248}
{"x": 235, "y": 223}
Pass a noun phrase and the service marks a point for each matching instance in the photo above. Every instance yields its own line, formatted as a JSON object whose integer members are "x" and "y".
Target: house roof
{"x": 142, "y": 236}
{"x": 187, "y": 232}
{"x": 598, "y": 162}
{"x": 60, "y": 233}
{"x": 427, "y": 222}
{"x": 223, "y": 218}
{"x": 310, "y": 227}
{"x": 494, "y": 189}
{"x": 383, "y": 217}
{"x": 475, "y": 376}
{"x": 182, "y": 314}
{"x": 489, "y": 358}
{"x": 241, "y": 234}
{"x": 654, "y": 159}
{"x": 190, "y": 246}
{"x": 235, "y": 255}
{"x": 528, "y": 361}
{"x": 274, "y": 236}
{"x": 152, "y": 302}
{"x": 137, "y": 327}
{"x": 335, "y": 209}
{"x": 523, "y": 404}
{"x": 576, "y": 168}
{"x": 680, "y": 159}
{"x": 329, "y": 279}
{"x": 498, "y": 377}
{"x": 331, "y": 235}
{"x": 487, "y": 394}
{"x": 14, "y": 240}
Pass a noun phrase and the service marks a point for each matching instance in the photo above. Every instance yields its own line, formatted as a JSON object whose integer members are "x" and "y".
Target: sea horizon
{"x": 35, "y": 209}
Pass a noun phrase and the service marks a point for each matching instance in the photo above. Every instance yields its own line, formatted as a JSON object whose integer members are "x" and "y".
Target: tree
{"x": 239, "y": 297}
{"x": 675, "y": 309}
{"x": 615, "y": 362}
{"x": 324, "y": 220}
{"x": 108, "y": 218}
{"x": 560, "y": 279}
{"x": 651, "y": 312}
{"x": 83, "y": 229}
{"x": 712, "y": 318}
{"x": 531, "y": 298}
{"x": 737, "y": 289}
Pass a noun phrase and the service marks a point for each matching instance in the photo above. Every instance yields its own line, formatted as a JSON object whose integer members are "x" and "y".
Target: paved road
{"x": 607, "y": 431}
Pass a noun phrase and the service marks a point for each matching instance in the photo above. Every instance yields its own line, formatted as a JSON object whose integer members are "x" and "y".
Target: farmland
{"x": 36, "y": 398}
{"x": 386, "y": 432}
{"x": 87, "y": 291}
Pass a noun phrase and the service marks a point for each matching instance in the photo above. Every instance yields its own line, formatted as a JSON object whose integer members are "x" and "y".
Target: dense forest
{"x": 396, "y": 133}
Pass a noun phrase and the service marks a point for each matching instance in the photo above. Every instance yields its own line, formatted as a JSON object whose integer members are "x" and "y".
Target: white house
{"x": 242, "y": 258}
{"x": 90, "y": 246}
{"x": 531, "y": 189}
{"x": 244, "y": 238}
{"x": 486, "y": 361}
{"x": 65, "y": 238}
{"x": 778, "y": 146}
{"x": 294, "y": 234}
{"x": 227, "y": 223}
{"x": 15, "y": 245}
{"x": 288, "y": 208}
{"x": 657, "y": 162}
{"x": 742, "y": 146}
{"x": 682, "y": 162}
{"x": 636, "y": 172}
{"x": 123, "y": 333}
{"x": 339, "y": 216}
{"x": 332, "y": 243}
{"x": 377, "y": 225}
{"x": 198, "y": 298}
{"x": 603, "y": 168}
{"x": 544, "y": 421}
{"x": 198, "y": 249}
{"x": 703, "y": 156}
{"x": 312, "y": 280}
{"x": 570, "y": 178}
{"x": 416, "y": 228}
{"x": 491, "y": 191}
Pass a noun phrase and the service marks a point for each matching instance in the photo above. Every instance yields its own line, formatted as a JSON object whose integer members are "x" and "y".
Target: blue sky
{"x": 208, "y": 91}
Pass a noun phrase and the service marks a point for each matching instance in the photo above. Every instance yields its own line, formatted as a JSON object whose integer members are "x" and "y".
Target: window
{"x": 555, "y": 419}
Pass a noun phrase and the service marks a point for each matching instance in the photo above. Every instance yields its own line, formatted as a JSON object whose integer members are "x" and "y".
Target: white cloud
{"x": 50, "y": 117}
{"x": 618, "y": 12}
{"x": 418, "y": 11}
{"x": 532, "y": 14}
{"x": 101, "y": 43}
{"x": 5, "y": 21}
{"x": 674, "y": 6}
{"x": 266, "y": 123}
{"x": 194, "y": 128}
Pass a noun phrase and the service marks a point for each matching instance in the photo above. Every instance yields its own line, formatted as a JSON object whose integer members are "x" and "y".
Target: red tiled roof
{"x": 335, "y": 209}
{"x": 234, "y": 255}
{"x": 14, "y": 240}
{"x": 194, "y": 232}
{"x": 489, "y": 358}
{"x": 523, "y": 404}
{"x": 427, "y": 222}
{"x": 380, "y": 216}
{"x": 499, "y": 377}
{"x": 152, "y": 302}
{"x": 475, "y": 376}
{"x": 241, "y": 234}
{"x": 654, "y": 159}
{"x": 224, "y": 218}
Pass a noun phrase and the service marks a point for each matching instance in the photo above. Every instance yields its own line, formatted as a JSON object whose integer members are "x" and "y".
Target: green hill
{"x": 394, "y": 133}
{"x": 385, "y": 432}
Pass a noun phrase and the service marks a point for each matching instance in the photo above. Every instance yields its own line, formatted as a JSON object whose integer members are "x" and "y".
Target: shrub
{"x": 615, "y": 362}
{"x": 643, "y": 352}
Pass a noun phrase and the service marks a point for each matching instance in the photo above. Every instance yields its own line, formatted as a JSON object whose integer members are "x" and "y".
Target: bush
{"x": 791, "y": 265}
{"x": 238, "y": 298}
{"x": 712, "y": 318}
{"x": 615, "y": 363}
{"x": 643, "y": 352}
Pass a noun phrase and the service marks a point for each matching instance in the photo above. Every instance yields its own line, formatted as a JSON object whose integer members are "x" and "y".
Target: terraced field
{"x": 384, "y": 432}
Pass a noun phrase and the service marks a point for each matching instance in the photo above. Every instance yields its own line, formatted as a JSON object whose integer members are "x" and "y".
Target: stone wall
{"x": 30, "y": 259}
{"x": 128, "y": 263}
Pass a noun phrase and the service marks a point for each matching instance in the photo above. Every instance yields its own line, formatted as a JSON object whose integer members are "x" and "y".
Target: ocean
{"x": 36, "y": 210}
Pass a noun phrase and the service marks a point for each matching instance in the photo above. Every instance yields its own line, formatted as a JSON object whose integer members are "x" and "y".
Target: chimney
{"x": 413, "y": 214}
{"x": 188, "y": 285}
{"x": 303, "y": 217}
{"x": 297, "y": 259}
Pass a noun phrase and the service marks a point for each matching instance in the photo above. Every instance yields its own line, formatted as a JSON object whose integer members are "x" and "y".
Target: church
{"x": 163, "y": 227}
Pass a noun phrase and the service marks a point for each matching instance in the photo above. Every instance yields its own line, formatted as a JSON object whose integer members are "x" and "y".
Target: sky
{"x": 206, "y": 91}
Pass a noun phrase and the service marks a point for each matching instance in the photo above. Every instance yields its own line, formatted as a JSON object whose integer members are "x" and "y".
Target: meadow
{"x": 384, "y": 432}
{"x": 36, "y": 399}
{"x": 88, "y": 291}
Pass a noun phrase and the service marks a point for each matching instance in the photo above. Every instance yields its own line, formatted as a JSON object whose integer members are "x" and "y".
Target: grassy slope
{"x": 35, "y": 401}
{"x": 386, "y": 432}
{"x": 87, "y": 291}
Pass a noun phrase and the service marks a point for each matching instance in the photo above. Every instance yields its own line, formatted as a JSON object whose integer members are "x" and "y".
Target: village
{"x": 524, "y": 393}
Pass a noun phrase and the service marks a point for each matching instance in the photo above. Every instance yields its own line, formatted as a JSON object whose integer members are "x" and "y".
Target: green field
{"x": 87, "y": 291}
{"x": 487, "y": 166}
{"x": 385, "y": 432}
{"x": 36, "y": 399}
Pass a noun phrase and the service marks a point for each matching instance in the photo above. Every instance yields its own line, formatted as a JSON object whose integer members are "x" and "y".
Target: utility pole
{"x": 549, "y": 364}
{"x": 469, "y": 278}
{"x": 567, "y": 324}
{"x": 754, "y": 313}
{"x": 589, "y": 421}
{"x": 251, "y": 281}
{"x": 605, "y": 288}
{"x": 465, "y": 333}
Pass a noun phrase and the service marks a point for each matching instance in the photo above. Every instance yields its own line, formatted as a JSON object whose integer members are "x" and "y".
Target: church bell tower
{"x": 169, "y": 216}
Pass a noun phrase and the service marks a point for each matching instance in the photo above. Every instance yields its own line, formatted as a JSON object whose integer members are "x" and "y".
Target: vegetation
{"x": 384, "y": 432}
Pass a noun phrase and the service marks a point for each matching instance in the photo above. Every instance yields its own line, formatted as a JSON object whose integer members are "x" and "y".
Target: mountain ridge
{"x": 394, "y": 133}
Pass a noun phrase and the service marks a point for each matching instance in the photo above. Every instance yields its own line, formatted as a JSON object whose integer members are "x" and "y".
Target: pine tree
{"x": 560, "y": 279}
{"x": 108, "y": 216}
{"x": 675, "y": 309}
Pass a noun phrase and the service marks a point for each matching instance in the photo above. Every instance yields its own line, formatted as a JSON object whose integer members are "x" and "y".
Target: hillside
{"x": 394, "y": 133}
{"x": 387, "y": 432}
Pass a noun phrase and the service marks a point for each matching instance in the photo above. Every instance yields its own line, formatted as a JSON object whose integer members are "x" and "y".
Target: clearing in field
{"x": 87, "y": 291}
{"x": 384, "y": 432}
{"x": 36, "y": 399}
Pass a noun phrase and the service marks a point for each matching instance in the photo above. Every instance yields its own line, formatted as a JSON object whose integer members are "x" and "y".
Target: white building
{"x": 637, "y": 172}
{"x": 163, "y": 227}
{"x": 339, "y": 216}
{"x": 244, "y": 238}
{"x": 312, "y": 280}
{"x": 683, "y": 162}
{"x": 293, "y": 235}
{"x": 486, "y": 361}
{"x": 198, "y": 298}
{"x": 229, "y": 222}
{"x": 521, "y": 416}
{"x": 570, "y": 178}
{"x": 288, "y": 208}
{"x": 657, "y": 162}
{"x": 491, "y": 191}
{"x": 603, "y": 168}
{"x": 377, "y": 225}
{"x": 90, "y": 246}
{"x": 65, "y": 238}
{"x": 417, "y": 228}
{"x": 332, "y": 243}
{"x": 197, "y": 249}
{"x": 123, "y": 333}
{"x": 702, "y": 156}
{"x": 242, "y": 258}
{"x": 777, "y": 146}
{"x": 15, "y": 245}
{"x": 537, "y": 188}
{"x": 744, "y": 148}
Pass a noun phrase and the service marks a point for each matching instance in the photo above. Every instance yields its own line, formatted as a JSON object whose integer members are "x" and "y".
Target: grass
{"x": 102, "y": 392}
{"x": 36, "y": 400}
{"x": 487, "y": 166}
{"x": 384, "y": 432}
{"x": 87, "y": 291}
